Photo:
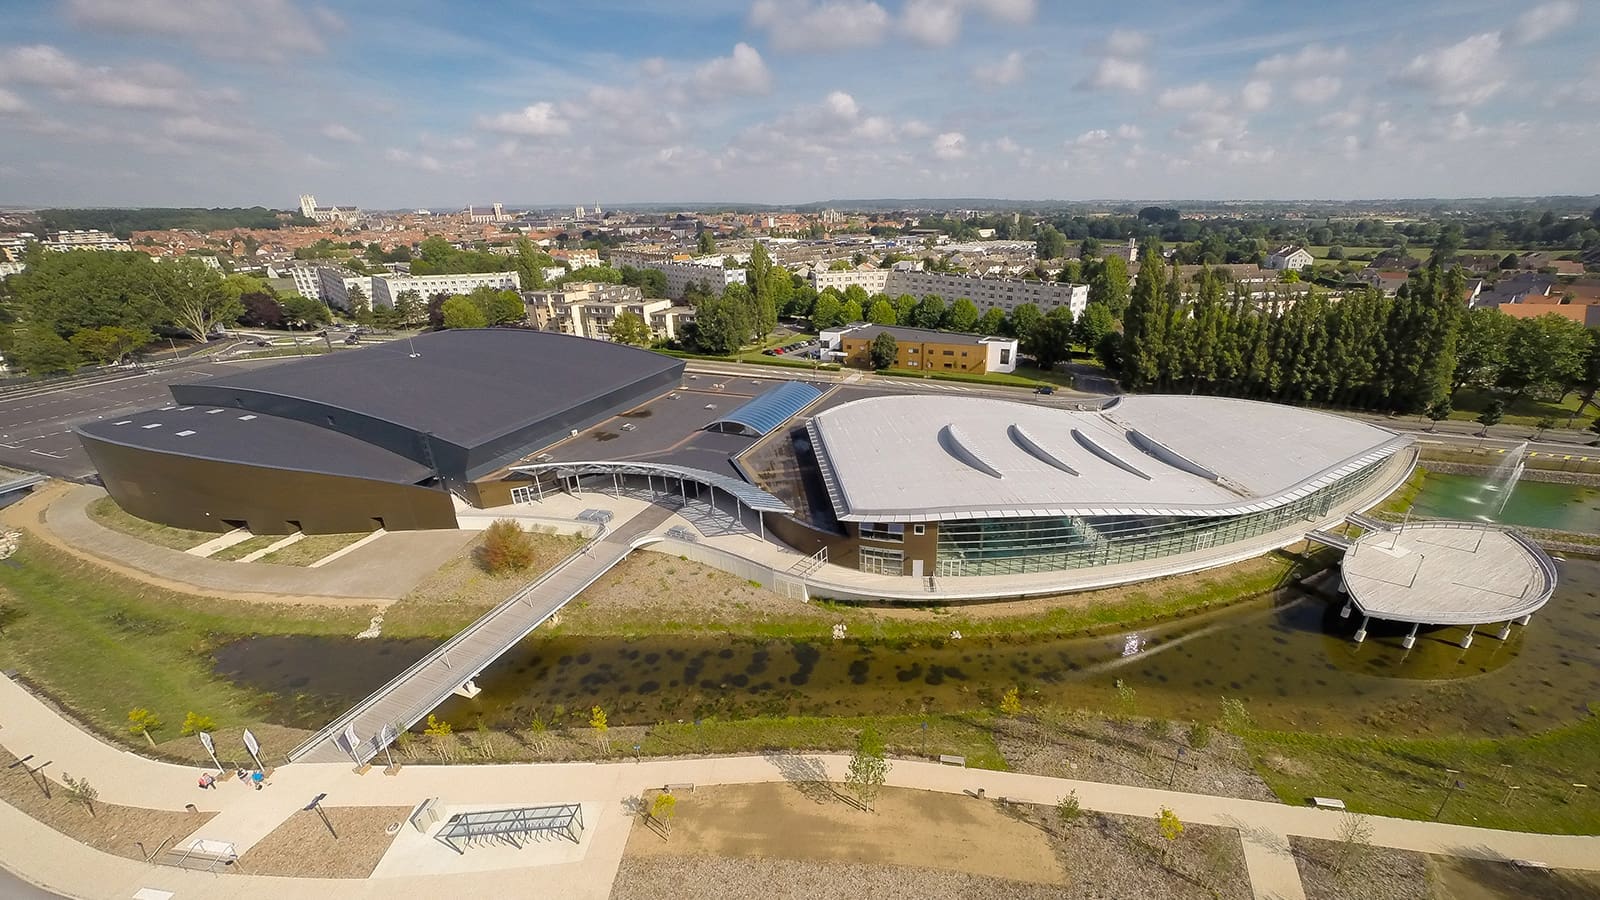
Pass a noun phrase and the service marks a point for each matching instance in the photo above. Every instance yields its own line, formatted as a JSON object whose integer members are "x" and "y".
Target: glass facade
{"x": 882, "y": 562}
{"x": 1014, "y": 546}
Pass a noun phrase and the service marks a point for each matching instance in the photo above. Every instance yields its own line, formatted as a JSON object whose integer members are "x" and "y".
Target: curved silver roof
{"x": 922, "y": 458}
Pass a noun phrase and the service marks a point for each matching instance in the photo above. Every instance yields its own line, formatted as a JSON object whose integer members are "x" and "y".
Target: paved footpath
{"x": 45, "y": 857}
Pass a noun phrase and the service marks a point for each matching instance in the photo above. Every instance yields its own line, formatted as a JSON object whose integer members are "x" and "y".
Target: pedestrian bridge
{"x": 371, "y": 725}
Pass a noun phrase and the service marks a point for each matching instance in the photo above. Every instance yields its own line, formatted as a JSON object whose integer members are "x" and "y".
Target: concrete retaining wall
{"x": 1548, "y": 476}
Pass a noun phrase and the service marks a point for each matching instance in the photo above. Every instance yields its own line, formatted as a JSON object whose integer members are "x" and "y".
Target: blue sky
{"x": 408, "y": 103}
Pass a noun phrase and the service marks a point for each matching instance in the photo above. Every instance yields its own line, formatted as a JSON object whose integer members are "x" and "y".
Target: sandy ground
{"x": 1093, "y": 748}
{"x": 801, "y": 840}
{"x": 118, "y": 830}
{"x": 1473, "y": 879}
{"x": 303, "y": 847}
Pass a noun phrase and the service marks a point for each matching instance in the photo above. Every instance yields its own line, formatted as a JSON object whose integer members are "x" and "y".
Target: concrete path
{"x": 245, "y": 816}
{"x": 384, "y": 570}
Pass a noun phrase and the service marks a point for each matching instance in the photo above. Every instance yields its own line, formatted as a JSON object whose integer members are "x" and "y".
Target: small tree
{"x": 597, "y": 721}
{"x": 1235, "y": 717}
{"x": 1439, "y": 411}
{"x": 1010, "y": 703}
{"x": 1199, "y": 736}
{"x": 1544, "y": 424}
{"x": 438, "y": 732}
{"x": 1069, "y": 810}
{"x": 81, "y": 791}
{"x": 869, "y": 769}
{"x": 194, "y": 723}
{"x": 630, "y": 328}
{"x": 1355, "y": 839}
{"x": 459, "y": 312}
{"x": 506, "y": 547}
{"x": 1171, "y": 826}
{"x": 884, "y": 351}
{"x": 1127, "y": 700}
{"x": 663, "y": 809}
{"x": 1493, "y": 412}
{"x": 143, "y": 721}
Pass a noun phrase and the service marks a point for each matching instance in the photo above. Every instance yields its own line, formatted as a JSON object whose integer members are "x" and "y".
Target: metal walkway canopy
{"x": 760, "y": 416}
{"x": 513, "y": 826}
{"x": 746, "y": 493}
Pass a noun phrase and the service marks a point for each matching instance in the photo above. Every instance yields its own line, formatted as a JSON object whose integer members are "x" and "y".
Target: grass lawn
{"x": 102, "y": 644}
{"x": 311, "y": 548}
{"x": 248, "y": 546}
{"x": 1024, "y": 376}
{"x": 969, "y": 735}
{"x": 106, "y": 512}
{"x": 1407, "y": 778}
{"x": 1469, "y": 402}
{"x": 460, "y": 591}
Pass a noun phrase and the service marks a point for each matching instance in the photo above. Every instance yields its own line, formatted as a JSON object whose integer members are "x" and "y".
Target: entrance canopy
{"x": 746, "y": 493}
{"x": 760, "y": 416}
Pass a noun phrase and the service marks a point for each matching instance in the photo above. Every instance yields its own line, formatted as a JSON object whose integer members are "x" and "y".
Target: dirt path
{"x": 28, "y": 515}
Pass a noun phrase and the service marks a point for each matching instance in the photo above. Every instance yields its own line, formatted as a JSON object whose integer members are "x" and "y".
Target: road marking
{"x": 51, "y": 455}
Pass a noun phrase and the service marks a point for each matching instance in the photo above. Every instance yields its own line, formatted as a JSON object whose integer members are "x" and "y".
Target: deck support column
{"x": 1525, "y": 619}
{"x": 1505, "y": 632}
{"x": 1344, "y": 613}
{"x": 1361, "y": 633}
{"x": 763, "y": 523}
{"x": 683, "y": 494}
{"x": 1467, "y": 641}
{"x": 1410, "y": 640}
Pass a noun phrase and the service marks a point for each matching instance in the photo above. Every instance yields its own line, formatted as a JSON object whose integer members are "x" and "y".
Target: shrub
{"x": 1199, "y": 735}
{"x": 505, "y": 548}
{"x": 194, "y": 723}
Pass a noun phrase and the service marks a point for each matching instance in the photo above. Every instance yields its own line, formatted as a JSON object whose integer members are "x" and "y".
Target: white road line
{"x": 51, "y": 455}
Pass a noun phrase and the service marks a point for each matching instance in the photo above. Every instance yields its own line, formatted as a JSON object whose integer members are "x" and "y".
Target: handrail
{"x": 373, "y": 698}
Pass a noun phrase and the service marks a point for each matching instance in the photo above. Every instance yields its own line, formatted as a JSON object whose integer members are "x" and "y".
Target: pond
{"x": 1290, "y": 658}
{"x": 1537, "y": 504}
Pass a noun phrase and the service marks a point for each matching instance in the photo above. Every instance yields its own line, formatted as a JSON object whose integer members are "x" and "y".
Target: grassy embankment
{"x": 1407, "y": 778}
{"x": 106, "y": 512}
{"x": 303, "y": 552}
{"x": 1024, "y": 376}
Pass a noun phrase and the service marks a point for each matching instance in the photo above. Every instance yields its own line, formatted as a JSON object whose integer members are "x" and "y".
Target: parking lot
{"x": 36, "y": 425}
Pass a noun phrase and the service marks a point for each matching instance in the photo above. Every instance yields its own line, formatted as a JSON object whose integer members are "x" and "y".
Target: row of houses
{"x": 1005, "y": 294}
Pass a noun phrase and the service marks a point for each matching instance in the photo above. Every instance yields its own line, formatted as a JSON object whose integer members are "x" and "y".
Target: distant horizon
{"x": 107, "y": 103}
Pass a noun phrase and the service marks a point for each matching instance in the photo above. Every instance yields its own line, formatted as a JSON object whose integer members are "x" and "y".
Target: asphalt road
{"x": 36, "y": 428}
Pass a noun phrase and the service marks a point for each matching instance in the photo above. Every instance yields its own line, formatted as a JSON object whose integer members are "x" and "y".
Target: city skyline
{"x": 160, "y": 103}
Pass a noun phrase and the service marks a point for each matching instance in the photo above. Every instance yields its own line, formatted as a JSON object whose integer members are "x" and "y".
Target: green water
{"x": 1537, "y": 504}
{"x": 1290, "y": 658}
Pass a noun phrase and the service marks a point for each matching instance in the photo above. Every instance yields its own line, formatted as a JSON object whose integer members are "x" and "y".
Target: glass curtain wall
{"x": 1014, "y": 546}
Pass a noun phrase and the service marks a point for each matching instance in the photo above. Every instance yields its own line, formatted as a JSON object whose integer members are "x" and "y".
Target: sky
{"x": 404, "y": 103}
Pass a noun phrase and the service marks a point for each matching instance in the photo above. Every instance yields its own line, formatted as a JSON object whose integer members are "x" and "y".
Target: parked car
{"x": 1044, "y": 389}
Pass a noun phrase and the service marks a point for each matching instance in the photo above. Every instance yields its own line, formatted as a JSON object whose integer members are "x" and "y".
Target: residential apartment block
{"x": 990, "y": 293}
{"x": 681, "y": 273}
{"x": 87, "y": 239}
{"x": 924, "y": 349}
{"x": 385, "y": 288}
{"x": 588, "y": 309}
{"x": 872, "y": 279}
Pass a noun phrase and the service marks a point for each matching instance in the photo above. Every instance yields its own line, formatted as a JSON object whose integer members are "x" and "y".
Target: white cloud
{"x": 259, "y": 29}
{"x": 1463, "y": 74}
{"x": 741, "y": 72}
{"x": 150, "y": 86}
{"x": 1313, "y": 59}
{"x": 1543, "y": 21}
{"x": 334, "y": 131}
{"x": 950, "y": 145}
{"x": 11, "y": 103}
{"x": 1114, "y": 74}
{"x": 935, "y": 23}
{"x": 1120, "y": 69}
{"x": 804, "y": 25}
{"x": 537, "y": 120}
{"x": 418, "y": 160}
{"x": 1014, "y": 12}
{"x": 1129, "y": 131}
{"x": 841, "y": 106}
{"x": 193, "y": 129}
{"x": 1256, "y": 95}
{"x": 1316, "y": 90}
{"x": 1460, "y": 127}
{"x": 1195, "y": 96}
{"x": 1126, "y": 43}
{"x": 1211, "y": 123}
{"x": 1092, "y": 137}
{"x": 1006, "y": 71}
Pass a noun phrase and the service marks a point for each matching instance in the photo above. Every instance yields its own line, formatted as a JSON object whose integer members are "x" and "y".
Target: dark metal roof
{"x": 253, "y": 439}
{"x": 772, "y": 408}
{"x": 465, "y": 386}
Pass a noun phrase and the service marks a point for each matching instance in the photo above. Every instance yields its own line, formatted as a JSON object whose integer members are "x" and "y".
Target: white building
{"x": 334, "y": 284}
{"x": 873, "y": 279}
{"x": 1004, "y": 294}
{"x": 494, "y": 215}
{"x": 88, "y": 239}
{"x": 588, "y": 309}
{"x": 385, "y": 288}
{"x": 11, "y": 268}
{"x": 307, "y": 281}
{"x": 310, "y": 209}
{"x": 680, "y": 275}
{"x": 1291, "y": 256}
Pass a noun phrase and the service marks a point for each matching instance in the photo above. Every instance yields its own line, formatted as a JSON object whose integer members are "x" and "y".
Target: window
{"x": 522, "y": 495}
{"x": 1005, "y": 356}
{"x": 949, "y": 353}
{"x": 883, "y": 531}
{"x": 879, "y": 561}
{"x": 919, "y": 529}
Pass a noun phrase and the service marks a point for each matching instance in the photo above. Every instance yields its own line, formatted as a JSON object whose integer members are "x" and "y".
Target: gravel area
{"x": 118, "y": 830}
{"x": 722, "y": 878}
{"x": 655, "y": 587}
{"x": 303, "y": 847}
{"x": 1368, "y": 872}
{"x": 1095, "y": 749}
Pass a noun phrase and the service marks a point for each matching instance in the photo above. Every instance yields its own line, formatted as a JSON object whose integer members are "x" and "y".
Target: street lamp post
{"x": 1453, "y": 788}
{"x": 1176, "y": 758}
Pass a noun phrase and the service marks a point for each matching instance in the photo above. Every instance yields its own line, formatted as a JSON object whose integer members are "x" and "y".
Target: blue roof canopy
{"x": 766, "y": 412}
